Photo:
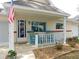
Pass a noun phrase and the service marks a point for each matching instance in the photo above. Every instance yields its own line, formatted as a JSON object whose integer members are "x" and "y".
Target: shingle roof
{"x": 39, "y": 6}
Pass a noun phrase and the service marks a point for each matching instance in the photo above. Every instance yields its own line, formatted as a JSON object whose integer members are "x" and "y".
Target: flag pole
{"x": 11, "y": 30}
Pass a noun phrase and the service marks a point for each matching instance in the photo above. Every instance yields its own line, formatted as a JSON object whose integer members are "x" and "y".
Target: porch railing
{"x": 40, "y": 39}
{"x": 44, "y": 39}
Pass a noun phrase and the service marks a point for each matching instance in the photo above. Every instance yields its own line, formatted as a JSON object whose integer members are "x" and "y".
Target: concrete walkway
{"x": 30, "y": 55}
{"x": 23, "y": 51}
{"x": 3, "y": 52}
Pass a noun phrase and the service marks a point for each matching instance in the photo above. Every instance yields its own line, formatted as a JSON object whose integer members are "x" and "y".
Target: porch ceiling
{"x": 36, "y": 11}
{"x": 36, "y": 14}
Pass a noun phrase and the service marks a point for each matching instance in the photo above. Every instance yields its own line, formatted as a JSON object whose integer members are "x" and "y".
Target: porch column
{"x": 65, "y": 18}
{"x": 11, "y": 27}
{"x": 36, "y": 40}
{"x": 11, "y": 36}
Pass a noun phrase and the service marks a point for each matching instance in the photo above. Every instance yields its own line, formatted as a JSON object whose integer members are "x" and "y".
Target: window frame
{"x": 38, "y": 26}
{"x": 60, "y": 24}
{"x": 19, "y": 28}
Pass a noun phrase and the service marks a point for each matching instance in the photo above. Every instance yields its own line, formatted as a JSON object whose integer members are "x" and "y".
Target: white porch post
{"x": 36, "y": 40}
{"x": 11, "y": 33}
{"x": 11, "y": 36}
{"x": 65, "y": 18}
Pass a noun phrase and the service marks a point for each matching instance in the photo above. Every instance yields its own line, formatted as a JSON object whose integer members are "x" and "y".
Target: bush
{"x": 11, "y": 53}
{"x": 72, "y": 44}
{"x": 72, "y": 41}
{"x": 76, "y": 39}
{"x": 59, "y": 46}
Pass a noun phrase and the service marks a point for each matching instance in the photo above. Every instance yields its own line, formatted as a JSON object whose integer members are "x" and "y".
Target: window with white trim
{"x": 38, "y": 26}
{"x": 59, "y": 25}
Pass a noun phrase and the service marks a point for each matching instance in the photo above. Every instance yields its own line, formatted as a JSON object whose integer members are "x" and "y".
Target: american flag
{"x": 11, "y": 14}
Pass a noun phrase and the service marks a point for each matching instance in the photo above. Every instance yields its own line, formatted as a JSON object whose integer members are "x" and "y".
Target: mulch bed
{"x": 69, "y": 55}
{"x": 52, "y": 52}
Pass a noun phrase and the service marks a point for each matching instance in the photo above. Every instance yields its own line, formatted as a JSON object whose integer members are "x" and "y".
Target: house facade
{"x": 37, "y": 23}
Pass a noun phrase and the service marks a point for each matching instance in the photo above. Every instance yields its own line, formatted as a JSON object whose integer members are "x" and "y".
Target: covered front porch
{"x": 36, "y": 26}
{"x": 39, "y": 28}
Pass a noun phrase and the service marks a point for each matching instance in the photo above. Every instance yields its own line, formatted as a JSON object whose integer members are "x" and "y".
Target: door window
{"x": 21, "y": 28}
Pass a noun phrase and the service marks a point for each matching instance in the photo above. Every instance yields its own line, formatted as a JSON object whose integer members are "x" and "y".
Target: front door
{"x": 21, "y": 29}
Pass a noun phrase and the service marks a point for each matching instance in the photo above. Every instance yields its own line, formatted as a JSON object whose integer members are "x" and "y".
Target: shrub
{"x": 69, "y": 40}
{"x": 76, "y": 39}
{"x": 59, "y": 46}
{"x": 11, "y": 53}
{"x": 72, "y": 41}
{"x": 72, "y": 44}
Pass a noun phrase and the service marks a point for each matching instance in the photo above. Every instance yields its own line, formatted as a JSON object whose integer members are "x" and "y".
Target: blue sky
{"x": 69, "y": 6}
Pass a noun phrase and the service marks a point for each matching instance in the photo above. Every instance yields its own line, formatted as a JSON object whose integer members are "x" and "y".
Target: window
{"x": 21, "y": 28}
{"x": 38, "y": 26}
{"x": 59, "y": 26}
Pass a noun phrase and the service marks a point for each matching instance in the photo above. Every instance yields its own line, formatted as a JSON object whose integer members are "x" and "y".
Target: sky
{"x": 69, "y": 6}
{"x": 2, "y": 1}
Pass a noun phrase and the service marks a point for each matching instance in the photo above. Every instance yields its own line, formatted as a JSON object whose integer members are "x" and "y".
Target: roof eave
{"x": 38, "y": 10}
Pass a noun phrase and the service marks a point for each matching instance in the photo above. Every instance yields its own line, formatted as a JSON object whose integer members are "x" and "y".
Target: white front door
{"x": 21, "y": 31}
